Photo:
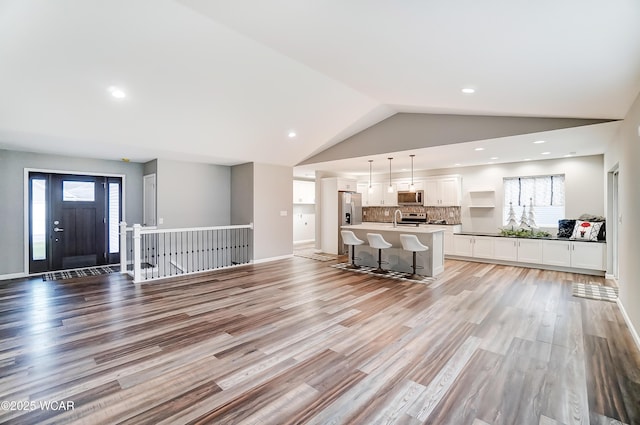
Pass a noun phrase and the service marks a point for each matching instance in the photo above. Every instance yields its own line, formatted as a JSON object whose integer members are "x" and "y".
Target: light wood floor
{"x": 296, "y": 341}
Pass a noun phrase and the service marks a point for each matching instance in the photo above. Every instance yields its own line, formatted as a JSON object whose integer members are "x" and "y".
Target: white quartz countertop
{"x": 388, "y": 227}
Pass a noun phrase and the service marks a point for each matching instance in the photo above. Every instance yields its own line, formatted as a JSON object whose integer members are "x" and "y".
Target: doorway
{"x": 614, "y": 222}
{"x": 73, "y": 221}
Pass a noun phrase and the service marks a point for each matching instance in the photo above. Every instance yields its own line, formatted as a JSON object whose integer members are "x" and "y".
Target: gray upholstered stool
{"x": 349, "y": 238}
{"x": 377, "y": 241}
{"x": 411, "y": 243}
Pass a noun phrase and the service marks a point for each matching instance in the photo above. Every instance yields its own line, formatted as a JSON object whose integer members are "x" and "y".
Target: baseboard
{"x": 627, "y": 319}
{"x": 12, "y": 276}
{"x": 303, "y": 241}
{"x": 267, "y": 260}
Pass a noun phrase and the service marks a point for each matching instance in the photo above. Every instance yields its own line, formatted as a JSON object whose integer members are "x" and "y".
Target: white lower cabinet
{"x": 473, "y": 246}
{"x": 570, "y": 254}
{"x": 556, "y": 253}
{"x": 581, "y": 255}
{"x": 505, "y": 249}
{"x": 463, "y": 245}
{"x": 521, "y": 250}
{"x": 589, "y": 255}
{"x": 530, "y": 251}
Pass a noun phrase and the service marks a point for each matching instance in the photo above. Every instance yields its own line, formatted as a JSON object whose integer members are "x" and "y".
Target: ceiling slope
{"x": 406, "y": 131}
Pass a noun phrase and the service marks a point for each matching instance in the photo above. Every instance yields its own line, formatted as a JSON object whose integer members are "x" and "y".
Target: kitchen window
{"x": 545, "y": 193}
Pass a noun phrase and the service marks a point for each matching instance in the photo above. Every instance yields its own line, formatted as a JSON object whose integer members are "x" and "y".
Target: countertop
{"x": 498, "y": 235}
{"x": 388, "y": 227}
{"x": 421, "y": 224}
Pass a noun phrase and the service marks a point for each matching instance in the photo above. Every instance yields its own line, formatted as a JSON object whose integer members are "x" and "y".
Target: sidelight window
{"x": 114, "y": 217}
{"x": 38, "y": 219}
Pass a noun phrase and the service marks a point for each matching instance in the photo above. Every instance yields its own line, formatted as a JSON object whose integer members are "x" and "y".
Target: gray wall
{"x": 242, "y": 193}
{"x": 273, "y": 193}
{"x": 192, "y": 194}
{"x": 12, "y": 165}
{"x": 151, "y": 167}
{"x": 410, "y": 131}
{"x": 624, "y": 152}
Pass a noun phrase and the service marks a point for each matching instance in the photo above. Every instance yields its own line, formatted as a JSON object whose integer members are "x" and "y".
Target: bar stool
{"x": 349, "y": 238}
{"x": 377, "y": 241}
{"x": 411, "y": 243}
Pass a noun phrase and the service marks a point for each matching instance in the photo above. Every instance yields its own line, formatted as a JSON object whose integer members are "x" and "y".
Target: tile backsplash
{"x": 385, "y": 214}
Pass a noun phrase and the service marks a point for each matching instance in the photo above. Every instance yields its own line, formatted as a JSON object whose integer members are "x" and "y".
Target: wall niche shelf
{"x": 482, "y": 198}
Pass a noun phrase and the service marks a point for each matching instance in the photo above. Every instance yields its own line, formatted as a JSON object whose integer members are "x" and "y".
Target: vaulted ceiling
{"x": 226, "y": 82}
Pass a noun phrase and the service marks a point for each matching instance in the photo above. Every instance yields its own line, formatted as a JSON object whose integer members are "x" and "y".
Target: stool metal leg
{"x": 353, "y": 264}
{"x": 414, "y": 275}
{"x": 380, "y": 269}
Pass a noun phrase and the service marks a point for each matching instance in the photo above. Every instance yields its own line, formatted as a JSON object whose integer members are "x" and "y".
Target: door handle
{"x": 57, "y": 229}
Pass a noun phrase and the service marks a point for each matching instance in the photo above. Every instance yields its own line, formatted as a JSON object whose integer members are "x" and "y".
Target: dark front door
{"x": 78, "y": 222}
{"x": 74, "y": 221}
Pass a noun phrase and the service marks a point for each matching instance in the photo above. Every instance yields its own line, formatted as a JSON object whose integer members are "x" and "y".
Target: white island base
{"x": 430, "y": 263}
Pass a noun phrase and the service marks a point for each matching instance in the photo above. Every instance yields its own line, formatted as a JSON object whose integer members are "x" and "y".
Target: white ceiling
{"x": 224, "y": 82}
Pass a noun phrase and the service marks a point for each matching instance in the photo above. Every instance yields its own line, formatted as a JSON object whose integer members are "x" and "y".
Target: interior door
{"x": 77, "y": 221}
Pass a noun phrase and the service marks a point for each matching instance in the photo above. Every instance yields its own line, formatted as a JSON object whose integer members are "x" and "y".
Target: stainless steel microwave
{"x": 411, "y": 198}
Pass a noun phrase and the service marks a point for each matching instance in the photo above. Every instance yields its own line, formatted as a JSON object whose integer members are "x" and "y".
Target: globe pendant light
{"x": 412, "y": 188}
{"x": 390, "y": 188}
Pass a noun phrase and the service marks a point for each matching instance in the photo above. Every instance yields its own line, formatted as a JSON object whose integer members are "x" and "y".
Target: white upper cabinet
{"x": 304, "y": 192}
{"x": 379, "y": 195}
{"x": 363, "y": 189}
{"x": 442, "y": 192}
{"x": 403, "y": 186}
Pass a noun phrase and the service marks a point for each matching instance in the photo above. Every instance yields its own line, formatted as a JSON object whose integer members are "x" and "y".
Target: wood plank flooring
{"x": 297, "y": 341}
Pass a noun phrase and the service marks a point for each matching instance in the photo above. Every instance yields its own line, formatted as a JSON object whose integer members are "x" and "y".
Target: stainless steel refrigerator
{"x": 349, "y": 212}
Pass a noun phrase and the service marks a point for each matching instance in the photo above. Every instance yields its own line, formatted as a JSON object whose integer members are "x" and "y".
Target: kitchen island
{"x": 431, "y": 261}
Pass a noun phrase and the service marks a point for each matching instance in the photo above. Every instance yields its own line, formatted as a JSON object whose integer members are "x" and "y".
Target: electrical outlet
{"x": 451, "y": 214}
{"x": 283, "y": 213}
{"x": 386, "y": 213}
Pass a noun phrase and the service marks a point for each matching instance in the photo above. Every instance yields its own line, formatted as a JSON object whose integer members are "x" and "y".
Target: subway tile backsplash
{"x": 450, "y": 214}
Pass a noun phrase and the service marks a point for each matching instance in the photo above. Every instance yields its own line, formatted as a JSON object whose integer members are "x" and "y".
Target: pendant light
{"x": 412, "y": 188}
{"x": 370, "y": 186}
{"x": 390, "y": 188}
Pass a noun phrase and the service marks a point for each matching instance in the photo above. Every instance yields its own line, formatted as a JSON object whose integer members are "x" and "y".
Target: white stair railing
{"x": 151, "y": 253}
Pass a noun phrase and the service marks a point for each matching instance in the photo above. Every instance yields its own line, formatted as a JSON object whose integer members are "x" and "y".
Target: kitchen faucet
{"x": 395, "y": 222}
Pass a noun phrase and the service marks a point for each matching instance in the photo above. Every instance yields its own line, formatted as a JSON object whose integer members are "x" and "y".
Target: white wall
{"x": 584, "y": 187}
{"x": 624, "y": 152}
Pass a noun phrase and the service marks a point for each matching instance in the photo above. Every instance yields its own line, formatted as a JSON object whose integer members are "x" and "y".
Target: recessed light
{"x": 116, "y": 92}
{"x": 457, "y": 164}
{"x": 479, "y": 149}
{"x": 493, "y": 157}
{"x": 527, "y": 159}
{"x": 537, "y": 142}
{"x": 490, "y": 162}
{"x": 292, "y": 134}
{"x": 468, "y": 90}
{"x": 545, "y": 153}
{"x": 568, "y": 155}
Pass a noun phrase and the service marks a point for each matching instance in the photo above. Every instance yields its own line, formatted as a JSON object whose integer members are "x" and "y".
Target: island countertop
{"x": 388, "y": 227}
